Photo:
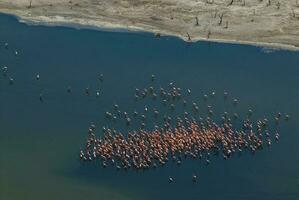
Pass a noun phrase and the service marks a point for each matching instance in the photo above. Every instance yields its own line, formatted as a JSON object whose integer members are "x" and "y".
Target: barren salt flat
{"x": 273, "y": 23}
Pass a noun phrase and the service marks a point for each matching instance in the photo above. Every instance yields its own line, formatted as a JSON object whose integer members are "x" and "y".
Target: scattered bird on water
{"x": 205, "y": 97}
{"x": 101, "y": 77}
{"x": 137, "y": 91}
{"x": 11, "y": 81}
{"x": 153, "y": 77}
{"x": 235, "y": 115}
{"x": 126, "y": 114}
{"x": 151, "y": 90}
{"x": 4, "y": 71}
{"x": 87, "y": 92}
{"x": 250, "y": 112}
{"x": 276, "y": 136}
{"x": 172, "y": 106}
{"x": 208, "y": 161}
{"x": 225, "y": 95}
{"x": 108, "y": 114}
{"x": 154, "y": 96}
{"x": 128, "y": 121}
{"x": 213, "y": 94}
{"x": 194, "y": 178}
{"x": 142, "y": 125}
{"x": 97, "y": 93}
{"x": 276, "y": 120}
{"x": 235, "y": 102}
{"x": 164, "y": 102}
{"x": 143, "y": 118}
{"x": 156, "y": 113}
{"x": 184, "y": 102}
{"x": 114, "y": 118}
{"x": 170, "y": 179}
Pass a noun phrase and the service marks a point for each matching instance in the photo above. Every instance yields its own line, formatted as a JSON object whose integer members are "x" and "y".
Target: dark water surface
{"x": 39, "y": 142}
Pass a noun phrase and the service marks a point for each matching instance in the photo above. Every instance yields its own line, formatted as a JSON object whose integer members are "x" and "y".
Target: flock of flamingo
{"x": 178, "y": 137}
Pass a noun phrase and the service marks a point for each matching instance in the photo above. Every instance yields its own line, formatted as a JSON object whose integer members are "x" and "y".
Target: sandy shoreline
{"x": 76, "y": 19}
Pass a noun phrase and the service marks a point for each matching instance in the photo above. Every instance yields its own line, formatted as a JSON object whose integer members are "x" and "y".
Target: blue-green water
{"x": 39, "y": 142}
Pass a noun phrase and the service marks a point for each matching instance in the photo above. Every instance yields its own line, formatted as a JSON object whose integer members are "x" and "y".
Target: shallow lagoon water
{"x": 39, "y": 142}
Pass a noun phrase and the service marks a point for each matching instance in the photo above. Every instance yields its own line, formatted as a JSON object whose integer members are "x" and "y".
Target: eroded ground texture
{"x": 274, "y": 22}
